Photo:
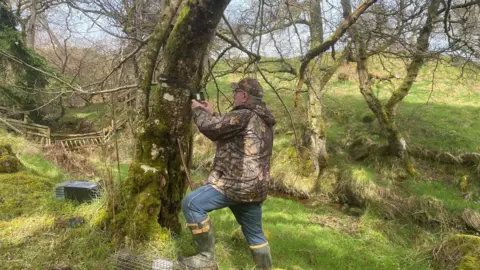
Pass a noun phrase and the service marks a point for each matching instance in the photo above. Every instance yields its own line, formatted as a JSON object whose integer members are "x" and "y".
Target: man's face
{"x": 240, "y": 97}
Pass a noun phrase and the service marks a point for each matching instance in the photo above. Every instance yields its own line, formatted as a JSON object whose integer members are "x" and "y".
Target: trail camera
{"x": 77, "y": 191}
{"x": 198, "y": 96}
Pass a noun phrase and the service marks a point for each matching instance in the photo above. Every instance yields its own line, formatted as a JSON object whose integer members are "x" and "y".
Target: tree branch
{"x": 53, "y": 76}
{"x": 341, "y": 29}
{"x": 238, "y": 46}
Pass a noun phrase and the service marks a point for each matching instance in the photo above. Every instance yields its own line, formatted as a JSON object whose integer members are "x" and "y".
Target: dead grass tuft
{"x": 348, "y": 71}
{"x": 347, "y": 225}
{"x": 75, "y": 163}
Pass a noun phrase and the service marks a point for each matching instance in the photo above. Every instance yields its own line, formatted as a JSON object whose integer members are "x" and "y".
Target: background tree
{"x": 397, "y": 37}
{"x": 18, "y": 83}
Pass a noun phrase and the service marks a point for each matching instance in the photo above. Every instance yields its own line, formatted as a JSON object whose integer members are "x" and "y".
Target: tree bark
{"x": 315, "y": 123}
{"x": 386, "y": 114}
{"x": 156, "y": 183}
{"x": 31, "y": 29}
{"x": 316, "y": 131}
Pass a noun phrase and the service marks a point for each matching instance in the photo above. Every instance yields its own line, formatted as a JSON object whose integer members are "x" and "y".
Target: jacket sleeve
{"x": 217, "y": 127}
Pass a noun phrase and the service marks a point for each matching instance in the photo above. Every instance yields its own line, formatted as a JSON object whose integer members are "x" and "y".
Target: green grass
{"x": 98, "y": 113}
{"x": 301, "y": 237}
{"x": 440, "y": 127}
{"x": 298, "y": 241}
{"x": 30, "y": 237}
{"x": 449, "y": 194}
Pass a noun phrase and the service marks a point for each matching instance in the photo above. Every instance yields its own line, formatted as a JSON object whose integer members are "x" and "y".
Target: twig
{"x": 122, "y": 62}
{"x": 219, "y": 91}
{"x": 284, "y": 105}
{"x": 113, "y": 89}
{"x": 187, "y": 173}
{"x": 238, "y": 46}
{"x": 341, "y": 29}
{"x": 261, "y": 3}
{"x": 13, "y": 58}
{"x": 433, "y": 81}
{"x": 211, "y": 67}
{"x": 294, "y": 27}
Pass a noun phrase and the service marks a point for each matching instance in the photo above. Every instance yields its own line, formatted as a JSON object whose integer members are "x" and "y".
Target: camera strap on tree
{"x": 194, "y": 94}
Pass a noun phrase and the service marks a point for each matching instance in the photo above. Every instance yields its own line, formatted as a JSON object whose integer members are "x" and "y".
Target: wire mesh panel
{"x": 162, "y": 264}
{"x": 126, "y": 260}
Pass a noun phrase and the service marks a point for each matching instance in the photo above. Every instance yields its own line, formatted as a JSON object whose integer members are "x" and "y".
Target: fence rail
{"x": 42, "y": 134}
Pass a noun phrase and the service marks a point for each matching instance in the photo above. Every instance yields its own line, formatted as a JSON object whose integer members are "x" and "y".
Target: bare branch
{"x": 53, "y": 76}
{"x": 107, "y": 91}
{"x": 294, "y": 27}
{"x": 238, "y": 46}
{"x": 284, "y": 106}
{"x": 341, "y": 29}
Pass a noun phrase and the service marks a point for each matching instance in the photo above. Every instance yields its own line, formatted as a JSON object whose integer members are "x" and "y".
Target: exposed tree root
{"x": 282, "y": 188}
{"x": 466, "y": 159}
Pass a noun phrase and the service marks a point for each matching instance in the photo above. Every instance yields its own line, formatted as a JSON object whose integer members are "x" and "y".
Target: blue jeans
{"x": 199, "y": 202}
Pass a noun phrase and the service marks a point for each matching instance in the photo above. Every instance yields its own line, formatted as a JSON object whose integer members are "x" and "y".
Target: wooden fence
{"x": 38, "y": 133}
{"x": 42, "y": 134}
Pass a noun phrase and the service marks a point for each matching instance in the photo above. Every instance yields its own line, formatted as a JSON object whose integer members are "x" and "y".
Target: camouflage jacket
{"x": 244, "y": 139}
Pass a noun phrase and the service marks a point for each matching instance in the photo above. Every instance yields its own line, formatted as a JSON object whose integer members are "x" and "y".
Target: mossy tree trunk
{"x": 386, "y": 114}
{"x": 316, "y": 131}
{"x": 156, "y": 183}
{"x": 315, "y": 123}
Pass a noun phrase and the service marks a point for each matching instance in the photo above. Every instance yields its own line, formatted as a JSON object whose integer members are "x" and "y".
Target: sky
{"x": 82, "y": 32}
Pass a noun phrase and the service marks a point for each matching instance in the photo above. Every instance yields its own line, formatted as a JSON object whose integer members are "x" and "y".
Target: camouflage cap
{"x": 251, "y": 86}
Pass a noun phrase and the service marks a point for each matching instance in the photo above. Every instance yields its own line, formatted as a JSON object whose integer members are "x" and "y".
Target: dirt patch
{"x": 347, "y": 225}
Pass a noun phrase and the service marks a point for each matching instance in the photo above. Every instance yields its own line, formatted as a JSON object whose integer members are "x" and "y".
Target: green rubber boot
{"x": 261, "y": 256}
{"x": 204, "y": 242}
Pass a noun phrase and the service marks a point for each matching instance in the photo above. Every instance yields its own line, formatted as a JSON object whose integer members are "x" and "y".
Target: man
{"x": 240, "y": 175}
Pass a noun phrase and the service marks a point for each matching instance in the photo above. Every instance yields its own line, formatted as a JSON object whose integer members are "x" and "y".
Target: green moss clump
{"x": 139, "y": 203}
{"x": 21, "y": 193}
{"x": 458, "y": 252}
{"x": 470, "y": 263}
{"x": 9, "y": 163}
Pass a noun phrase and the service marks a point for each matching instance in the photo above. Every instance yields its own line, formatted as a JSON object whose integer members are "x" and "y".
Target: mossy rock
{"x": 368, "y": 118}
{"x": 460, "y": 251}
{"x": 5, "y": 149}
{"x": 9, "y": 163}
{"x": 471, "y": 219}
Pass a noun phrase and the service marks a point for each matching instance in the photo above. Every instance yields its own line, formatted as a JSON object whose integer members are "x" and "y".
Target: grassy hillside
{"x": 34, "y": 234}
{"x": 368, "y": 215}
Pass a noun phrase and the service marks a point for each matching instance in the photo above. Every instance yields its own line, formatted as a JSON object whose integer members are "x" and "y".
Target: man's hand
{"x": 206, "y": 106}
